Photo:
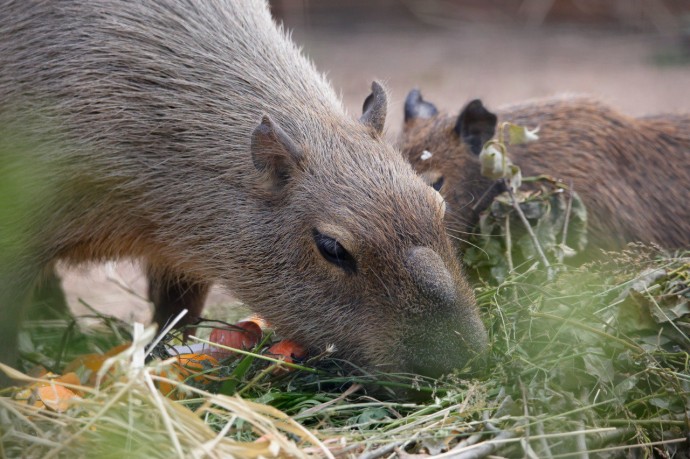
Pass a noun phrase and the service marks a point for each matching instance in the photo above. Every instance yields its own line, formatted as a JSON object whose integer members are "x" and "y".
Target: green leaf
{"x": 600, "y": 367}
{"x": 663, "y": 313}
{"x": 518, "y": 135}
{"x": 562, "y": 251}
{"x": 622, "y": 388}
{"x": 492, "y": 162}
{"x": 514, "y": 177}
{"x": 370, "y": 415}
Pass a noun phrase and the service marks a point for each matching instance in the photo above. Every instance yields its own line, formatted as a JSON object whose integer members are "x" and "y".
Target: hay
{"x": 593, "y": 364}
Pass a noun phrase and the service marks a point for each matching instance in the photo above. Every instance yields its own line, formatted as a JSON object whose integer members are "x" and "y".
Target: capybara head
{"x": 444, "y": 150}
{"x": 357, "y": 250}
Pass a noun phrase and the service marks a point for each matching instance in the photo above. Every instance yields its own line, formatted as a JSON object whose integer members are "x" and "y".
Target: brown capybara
{"x": 193, "y": 135}
{"x": 633, "y": 174}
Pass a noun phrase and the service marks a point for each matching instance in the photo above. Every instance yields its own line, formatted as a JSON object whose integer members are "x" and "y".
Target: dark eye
{"x": 334, "y": 252}
{"x": 437, "y": 184}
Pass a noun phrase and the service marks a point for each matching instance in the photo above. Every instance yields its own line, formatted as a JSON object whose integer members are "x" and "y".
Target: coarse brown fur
{"x": 147, "y": 131}
{"x": 632, "y": 173}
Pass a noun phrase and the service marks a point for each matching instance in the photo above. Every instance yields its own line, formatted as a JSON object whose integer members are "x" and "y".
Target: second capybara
{"x": 194, "y": 136}
{"x": 633, "y": 174}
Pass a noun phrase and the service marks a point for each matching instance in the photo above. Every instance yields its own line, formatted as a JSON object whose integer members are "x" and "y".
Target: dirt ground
{"x": 451, "y": 65}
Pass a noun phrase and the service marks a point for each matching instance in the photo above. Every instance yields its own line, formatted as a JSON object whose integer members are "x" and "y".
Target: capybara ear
{"x": 273, "y": 152}
{"x": 416, "y": 107}
{"x": 476, "y": 125}
{"x": 374, "y": 108}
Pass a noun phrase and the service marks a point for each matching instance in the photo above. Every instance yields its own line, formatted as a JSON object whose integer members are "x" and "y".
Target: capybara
{"x": 633, "y": 174}
{"x": 194, "y": 136}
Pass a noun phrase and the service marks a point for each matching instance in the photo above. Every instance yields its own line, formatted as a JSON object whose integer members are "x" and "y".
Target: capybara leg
{"x": 48, "y": 299}
{"x": 15, "y": 291}
{"x": 171, "y": 293}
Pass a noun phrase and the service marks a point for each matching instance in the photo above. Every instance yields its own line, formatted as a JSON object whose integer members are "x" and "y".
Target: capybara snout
{"x": 437, "y": 328}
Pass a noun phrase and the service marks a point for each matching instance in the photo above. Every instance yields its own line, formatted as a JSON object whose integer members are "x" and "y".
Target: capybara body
{"x": 195, "y": 136}
{"x": 631, "y": 173}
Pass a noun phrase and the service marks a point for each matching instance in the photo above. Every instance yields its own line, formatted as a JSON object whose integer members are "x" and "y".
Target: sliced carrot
{"x": 55, "y": 397}
{"x": 244, "y": 335}
{"x": 186, "y": 366}
{"x": 118, "y": 349}
{"x": 91, "y": 362}
{"x": 194, "y": 363}
{"x": 287, "y": 350}
{"x": 69, "y": 378}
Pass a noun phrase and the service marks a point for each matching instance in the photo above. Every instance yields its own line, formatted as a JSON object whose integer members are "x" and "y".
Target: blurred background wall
{"x": 637, "y": 14}
{"x": 633, "y": 54}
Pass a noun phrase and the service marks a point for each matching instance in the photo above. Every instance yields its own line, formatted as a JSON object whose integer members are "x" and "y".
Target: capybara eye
{"x": 437, "y": 184}
{"x": 334, "y": 252}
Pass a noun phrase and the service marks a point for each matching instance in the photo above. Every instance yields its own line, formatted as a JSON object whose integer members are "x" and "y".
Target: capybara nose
{"x": 445, "y": 347}
{"x": 444, "y": 331}
{"x": 431, "y": 277}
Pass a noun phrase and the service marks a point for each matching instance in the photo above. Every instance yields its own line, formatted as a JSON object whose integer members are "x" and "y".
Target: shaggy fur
{"x": 632, "y": 173}
{"x": 143, "y": 114}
